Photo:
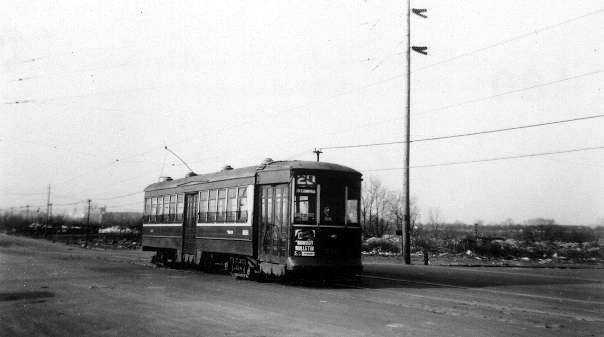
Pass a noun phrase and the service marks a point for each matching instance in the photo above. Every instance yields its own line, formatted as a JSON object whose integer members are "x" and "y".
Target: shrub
{"x": 380, "y": 245}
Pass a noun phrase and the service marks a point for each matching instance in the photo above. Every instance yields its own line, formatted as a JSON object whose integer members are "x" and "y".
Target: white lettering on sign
{"x": 305, "y": 244}
{"x": 306, "y": 180}
{"x": 245, "y": 232}
{"x": 305, "y": 248}
{"x": 230, "y": 232}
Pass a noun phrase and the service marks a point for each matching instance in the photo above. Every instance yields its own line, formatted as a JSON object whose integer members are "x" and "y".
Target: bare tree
{"x": 435, "y": 221}
{"x": 396, "y": 210}
{"x": 375, "y": 209}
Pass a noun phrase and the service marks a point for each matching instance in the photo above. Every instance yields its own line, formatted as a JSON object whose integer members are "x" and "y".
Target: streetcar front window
{"x": 352, "y": 205}
{"x": 332, "y": 203}
{"x": 305, "y": 205}
{"x": 305, "y": 200}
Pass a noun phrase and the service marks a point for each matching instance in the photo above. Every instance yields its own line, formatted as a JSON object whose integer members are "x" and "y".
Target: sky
{"x": 92, "y": 91}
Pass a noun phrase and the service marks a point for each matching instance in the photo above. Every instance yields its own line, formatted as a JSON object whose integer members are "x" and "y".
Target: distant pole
{"x": 27, "y": 213}
{"x": 47, "y": 213}
{"x": 406, "y": 240}
{"x": 87, "y": 224}
{"x": 318, "y": 153}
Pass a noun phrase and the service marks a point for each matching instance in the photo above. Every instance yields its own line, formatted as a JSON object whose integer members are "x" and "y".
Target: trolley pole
{"x": 406, "y": 239}
{"x": 317, "y": 152}
{"x": 87, "y": 225}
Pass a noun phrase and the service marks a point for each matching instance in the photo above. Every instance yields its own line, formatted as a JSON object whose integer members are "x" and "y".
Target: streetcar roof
{"x": 250, "y": 171}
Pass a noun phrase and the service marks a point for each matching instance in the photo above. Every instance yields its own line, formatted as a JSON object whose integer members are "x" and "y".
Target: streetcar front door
{"x": 274, "y": 223}
{"x": 189, "y": 228}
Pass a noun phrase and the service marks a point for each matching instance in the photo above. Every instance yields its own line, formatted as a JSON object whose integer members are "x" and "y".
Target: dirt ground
{"x": 50, "y": 289}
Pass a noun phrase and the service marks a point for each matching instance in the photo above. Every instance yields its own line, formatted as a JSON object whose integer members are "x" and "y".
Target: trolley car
{"x": 274, "y": 219}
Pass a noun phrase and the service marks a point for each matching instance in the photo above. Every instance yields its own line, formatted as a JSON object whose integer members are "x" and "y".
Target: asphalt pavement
{"x": 50, "y": 289}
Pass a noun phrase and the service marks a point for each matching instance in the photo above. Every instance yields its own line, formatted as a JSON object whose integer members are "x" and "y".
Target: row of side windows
{"x": 217, "y": 205}
{"x": 164, "y": 209}
{"x": 223, "y": 205}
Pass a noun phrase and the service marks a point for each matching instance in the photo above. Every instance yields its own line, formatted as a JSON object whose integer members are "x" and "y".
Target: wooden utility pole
{"x": 406, "y": 240}
{"x": 406, "y": 237}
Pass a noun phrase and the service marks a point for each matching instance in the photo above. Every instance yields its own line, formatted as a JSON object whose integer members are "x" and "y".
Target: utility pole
{"x": 27, "y": 213}
{"x": 87, "y": 225}
{"x": 317, "y": 152}
{"x": 406, "y": 239}
{"x": 47, "y": 213}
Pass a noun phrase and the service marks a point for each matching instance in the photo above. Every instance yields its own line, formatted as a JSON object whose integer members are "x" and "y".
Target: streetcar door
{"x": 274, "y": 223}
{"x": 189, "y": 226}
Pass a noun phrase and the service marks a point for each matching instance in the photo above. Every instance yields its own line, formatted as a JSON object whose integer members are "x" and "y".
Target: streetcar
{"x": 272, "y": 220}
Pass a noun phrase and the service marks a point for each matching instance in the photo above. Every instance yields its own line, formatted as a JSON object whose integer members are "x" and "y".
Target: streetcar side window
{"x": 220, "y": 217}
{"x": 153, "y": 214}
{"x": 242, "y": 204}
{"x": 180, "y": 206}
{"x": 212, "y": 206}
{"x": 203, "y": 206}
{"x": 147, "y": 215}
{"x": 166, "y": 211}
{"x": 173, "y": 208}
{"x": 159, "y": 209}
{"x": 231, "y": 215}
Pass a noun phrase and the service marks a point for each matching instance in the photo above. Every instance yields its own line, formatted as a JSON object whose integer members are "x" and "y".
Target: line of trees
{"x": 38, "y": 226}
{"x": 382, "y": 213}
{"x": 382, "y": 210}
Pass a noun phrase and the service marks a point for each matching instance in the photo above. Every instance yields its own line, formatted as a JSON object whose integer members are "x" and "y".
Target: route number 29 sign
{"x": 306, "y": 181}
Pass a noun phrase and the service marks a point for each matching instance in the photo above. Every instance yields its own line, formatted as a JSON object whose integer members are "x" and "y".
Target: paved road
{"x": 51, "y": 289}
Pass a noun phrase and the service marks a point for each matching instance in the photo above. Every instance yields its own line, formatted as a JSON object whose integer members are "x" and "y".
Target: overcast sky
{"x": 103, "y": 86}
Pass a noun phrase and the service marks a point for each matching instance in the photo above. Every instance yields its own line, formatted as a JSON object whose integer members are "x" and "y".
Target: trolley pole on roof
{"x": 317, "y": 152}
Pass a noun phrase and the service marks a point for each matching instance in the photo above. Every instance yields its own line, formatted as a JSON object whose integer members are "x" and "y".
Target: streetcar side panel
{"x": 225, "y": 221}
{"x": 162, "y": 222}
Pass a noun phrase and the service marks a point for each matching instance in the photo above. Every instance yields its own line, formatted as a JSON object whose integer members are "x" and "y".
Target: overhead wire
{"x": 511, "y": 39}
{"x": 508, "y": 92}
{"x": 467, "y": 134}
{"x": 462, "y": 162}
{"x": 460, "y": 103}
